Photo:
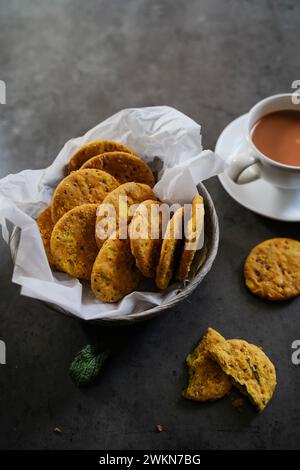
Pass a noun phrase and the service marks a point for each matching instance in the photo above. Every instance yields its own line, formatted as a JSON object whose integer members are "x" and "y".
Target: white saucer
{"x": 259, "y": 196}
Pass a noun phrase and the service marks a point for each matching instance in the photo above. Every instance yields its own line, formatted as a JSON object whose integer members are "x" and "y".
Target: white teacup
{"x": 250, "y": 164}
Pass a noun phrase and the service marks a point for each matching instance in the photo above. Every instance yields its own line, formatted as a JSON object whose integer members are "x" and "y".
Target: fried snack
{"x": 272, "y": 269}
{"x": 250, "y": 369}
{"x": 92, "y": 149}
{"x": 81, "y": 187}
{"x": 73, "y": 244}
{"x": 145, "y": 237}
{"x": 207, "y": 381}
{"x": 194, "y": 230}
{"x": 125, "y": 167}
{"x": 170, "y": 250}
{"x": 114, "y": 273}
{"x": 46, "y": 225}
{"x": 119, "y": 214}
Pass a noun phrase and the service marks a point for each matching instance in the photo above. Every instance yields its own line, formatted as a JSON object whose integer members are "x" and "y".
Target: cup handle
{"x": 242, "y": 161}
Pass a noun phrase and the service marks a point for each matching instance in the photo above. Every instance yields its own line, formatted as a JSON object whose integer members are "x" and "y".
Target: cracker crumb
{"x": 57, "y": 430}
{"x": 238, "y": 403}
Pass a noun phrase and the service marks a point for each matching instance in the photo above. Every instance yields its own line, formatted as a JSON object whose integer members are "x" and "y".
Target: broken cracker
{"x": 207, "y": 381}
{"x": 250, "y": 369}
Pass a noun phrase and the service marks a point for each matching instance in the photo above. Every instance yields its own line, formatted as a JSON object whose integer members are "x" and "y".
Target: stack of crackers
{"x": 100, "y": 174}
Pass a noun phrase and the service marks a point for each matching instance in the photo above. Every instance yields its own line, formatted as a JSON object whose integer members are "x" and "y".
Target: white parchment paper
{"x": 160, "y": 135}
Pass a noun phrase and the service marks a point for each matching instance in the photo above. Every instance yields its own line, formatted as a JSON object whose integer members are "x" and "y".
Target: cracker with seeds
{"x": 88, "y": 186}
{"x": 114, "y": 273}
{"x": 249, "y": 368}
{"x": 207, "y": 381}
{"x": 45, "y": 225}
{"x": 91, "y": 149}
{"x": 145, "y": 237}
{"x": 272, "y": 269}
{"x": 116, "y": 211}
{"x": 73, "y": 244}
{"x": 170, "y": 250}
{"x": 125, "y": 167}
{"x": 193, "y": 233}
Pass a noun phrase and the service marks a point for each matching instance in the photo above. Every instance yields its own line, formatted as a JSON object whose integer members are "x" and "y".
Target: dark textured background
{"x": 68, "y": 65}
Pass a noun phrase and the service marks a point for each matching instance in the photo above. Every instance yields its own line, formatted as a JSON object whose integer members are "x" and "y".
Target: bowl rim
{"x": 152, "y": 312}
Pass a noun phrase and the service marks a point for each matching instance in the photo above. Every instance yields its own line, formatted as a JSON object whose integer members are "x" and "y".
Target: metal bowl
{"x": 204, "y": 266}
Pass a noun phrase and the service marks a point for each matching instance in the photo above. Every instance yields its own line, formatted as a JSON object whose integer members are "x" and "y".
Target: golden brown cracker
{"x": 91, "y": 149}
{"x": 170, "y": 250}
{"x": 145, "y": 237}
{"x": 125, "y": 167}
{"x": 193, "y": 233}
{"x": 211, "y": 337}
{"x": 73, "y": 244}
{"x": 248, "y": 366}
{"x": 45, "y": 224}
{"x": 272, "y": 269}
{"x": 88, "y": 186}
{"x": 207, "y": 381}
{"x": 114, "y": 273}
{"x": 119, "y": 204}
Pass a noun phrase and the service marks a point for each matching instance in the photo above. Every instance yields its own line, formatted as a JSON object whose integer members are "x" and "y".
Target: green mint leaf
{"x": 87, "y": 365}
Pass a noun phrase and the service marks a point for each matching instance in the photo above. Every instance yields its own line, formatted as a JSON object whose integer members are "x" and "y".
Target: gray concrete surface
{"x": 68, "y": 65}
